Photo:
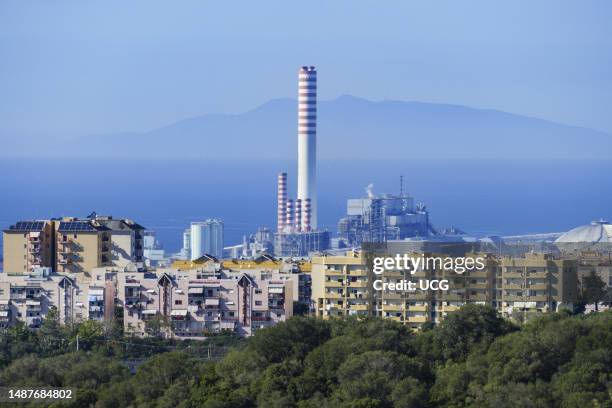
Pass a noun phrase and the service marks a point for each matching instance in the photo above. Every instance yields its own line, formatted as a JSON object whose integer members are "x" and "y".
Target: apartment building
{"x": 82, "y": 245}
{"x": 127, "y": 240}
{"x": 265, "y": 264}
{"x": 71, "y": 245}
{"x": 195, "y": 302}
{"x": 342, "y": 286}
{"x": 28, "y": 245}
{"x": 29, "y": 296}
{"x": 535, "y": 283}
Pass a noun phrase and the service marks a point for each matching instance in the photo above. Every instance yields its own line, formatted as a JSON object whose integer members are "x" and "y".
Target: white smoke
{"x": 370, "y": 190}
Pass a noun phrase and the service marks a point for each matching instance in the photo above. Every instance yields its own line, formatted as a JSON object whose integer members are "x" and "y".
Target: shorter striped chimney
{"x": 289, "y": 215}
{"x": 306, "y": 214}
{"x": 282, "y": 201}
{"x": 298, "y": 215}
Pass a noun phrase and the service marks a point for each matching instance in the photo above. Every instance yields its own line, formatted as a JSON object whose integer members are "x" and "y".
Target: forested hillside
{"x": 473, "y": 359}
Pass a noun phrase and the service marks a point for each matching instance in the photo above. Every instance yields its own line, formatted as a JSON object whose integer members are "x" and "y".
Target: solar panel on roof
{"x": 75, "y": 226}
{"x": 27, "y": 226}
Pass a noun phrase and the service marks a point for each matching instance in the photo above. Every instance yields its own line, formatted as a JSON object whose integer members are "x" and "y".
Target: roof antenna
{"x": 401, "y": 186}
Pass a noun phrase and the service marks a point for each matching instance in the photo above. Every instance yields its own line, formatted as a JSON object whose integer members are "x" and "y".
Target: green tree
{"x": 471, "y": 327}
{"x": 593, "y": 289}
{"x": 157, "y": 325}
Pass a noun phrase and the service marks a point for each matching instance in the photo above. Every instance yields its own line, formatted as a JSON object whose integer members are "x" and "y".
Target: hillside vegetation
{"x": 473, "y": 359}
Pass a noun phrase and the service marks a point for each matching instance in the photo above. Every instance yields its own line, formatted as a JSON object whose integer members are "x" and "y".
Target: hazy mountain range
{"x": 348, "y": 128}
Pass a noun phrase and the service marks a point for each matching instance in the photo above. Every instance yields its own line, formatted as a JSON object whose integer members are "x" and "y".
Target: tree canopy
{"x": 473, "y": 358}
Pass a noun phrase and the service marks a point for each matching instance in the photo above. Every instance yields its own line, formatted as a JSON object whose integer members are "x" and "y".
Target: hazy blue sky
{"x": 103, "y": 66}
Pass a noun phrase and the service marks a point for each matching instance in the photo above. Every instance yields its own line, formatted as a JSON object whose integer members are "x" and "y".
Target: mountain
{"x": 355, "y": 128}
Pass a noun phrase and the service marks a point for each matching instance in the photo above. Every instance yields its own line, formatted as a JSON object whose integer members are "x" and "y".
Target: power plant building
{"x": 383, "y": 218}
{"x": 297, "y": 226}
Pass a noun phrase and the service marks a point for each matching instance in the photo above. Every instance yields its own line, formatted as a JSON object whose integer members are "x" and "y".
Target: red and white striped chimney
{"x": 289, "y": 215}
{"x": 282, "y": 201}
{"x": 298, "y": 215}
{"x": 306, "y": 214}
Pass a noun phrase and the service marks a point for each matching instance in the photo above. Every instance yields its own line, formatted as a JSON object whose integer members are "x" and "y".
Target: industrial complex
{"x": 88, "y": 268}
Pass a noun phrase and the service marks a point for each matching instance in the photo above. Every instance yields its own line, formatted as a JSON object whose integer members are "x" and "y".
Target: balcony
{"x": 18, "y": 295}
{"x": 64, "y": 250}
{"x": 396, "y": 274}
{"x": 276, "y": 305}
{"x": 541, "y": 276}
{"x": 391, "y": 295}
{"x": 478, "y": 274}
{"x": 513, "y": 298}
{"x": 179, "y": 315}
{"x": 333, "y": 295}
{"x": 453, "y": 296}
{"x": 334, "y": 284}
{"x": 417, "y": 319}
{"x": 33, "y": 294}
{"x": 36, "y": 260}
{"x": 538, "y": 298}
{"x": 393, "y": 307}
{"x": 260, "y": 318}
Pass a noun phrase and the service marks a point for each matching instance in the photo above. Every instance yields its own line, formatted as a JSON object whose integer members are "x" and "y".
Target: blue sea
{"x": 481, "y": 197}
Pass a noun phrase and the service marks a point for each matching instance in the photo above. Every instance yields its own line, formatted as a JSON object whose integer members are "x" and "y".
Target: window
{"x": 258, "y": 291}
{"x": 178, "y": 302}
{"x": 258, "y": 303}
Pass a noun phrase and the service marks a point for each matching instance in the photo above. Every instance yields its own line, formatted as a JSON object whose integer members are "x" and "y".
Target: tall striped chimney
{"x": 307, "y": 143}
{"x": 282, "y": 201}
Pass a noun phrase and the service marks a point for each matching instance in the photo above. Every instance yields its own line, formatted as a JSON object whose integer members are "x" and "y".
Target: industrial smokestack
{"x": 282, "y": 201}
{"x": 298, "y": 215}
{"x": 306, "y": 215}
{"x": 289, "y": 214}
{"x": 307, "y": 143}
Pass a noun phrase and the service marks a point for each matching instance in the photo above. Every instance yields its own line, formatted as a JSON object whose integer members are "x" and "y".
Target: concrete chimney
{"x": 307, "y": 143}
